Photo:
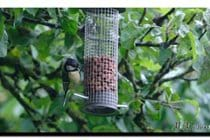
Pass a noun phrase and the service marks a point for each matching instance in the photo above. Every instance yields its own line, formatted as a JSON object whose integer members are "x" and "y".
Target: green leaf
{"x": 20, "y": 35}
{"x": 73, "y": 10}
{"x": 179, "y": 117}
{"x": 205, "y": 86}
{"x": 204, "y": 70}
{"x": 175, "y": 97}
{"x": 190, "y": 108}
{"x": 208, "y": 33}
{"x": 69, "y": 40}
{"x": 186, "y": 44}
{"x": 18, "y": 14}
{"x": 8, "y": 109}
{"x": 69, "y": 25}
{"x": 3, "y": 50}
{"x": 121, "y": 125}
{"x": 195, "y": 104}
{"x": 192, "y": 44}
{"x": 56, "y": 107}
{"x": 2, "y": 19}
{"x": 42, "y": 103}
{"x": 125, "y": 90}
{"x": 105, "y": 128}
{"x": 68, "y": 126}
{"x": 164, "y": 54}
{"x": 179, "y": 17}
{"x": 52, "y": 12}
{"x": 3, "y": 45}
{"x": 169, "y": 93}
{"x": 149, "y": 64}
{"x": 32, "y": 11}
{"x": 183, "y": 30}
{"x": 43, "y": 43}
{"x": 152, "y": 111}
{"x": 135, "y": 106}
{"x": 206, "y": 16}
{"x": 129, "y": 34}
{"x": 26, "y": 61}
{"x": 34, "y": 52}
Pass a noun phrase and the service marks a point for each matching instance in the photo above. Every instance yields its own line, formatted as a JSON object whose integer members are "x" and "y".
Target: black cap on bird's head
{"x": 71, "y": 65}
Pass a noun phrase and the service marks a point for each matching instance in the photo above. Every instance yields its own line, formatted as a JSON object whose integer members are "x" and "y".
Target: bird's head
{"x": 71, "y": 65}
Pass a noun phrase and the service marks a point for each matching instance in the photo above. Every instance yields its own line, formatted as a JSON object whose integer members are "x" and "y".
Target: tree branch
{"x": 191, "y": 19}
{"x": 166, "y": 67}
{"x": 158, "y": 45}
{"x": 204, "y": 32}
{"x": 15, "y": 93}
{"x": 145, "y": 34}
{"x": 130, "y": 75}
{"x": 164, "y": 44}
{"x": 159, "y": 20}
{"x": 6, "y": 61}
{"x": 31, "y": 20}
{"x": 177, "y": 76}
{"x": 142, "y": 16}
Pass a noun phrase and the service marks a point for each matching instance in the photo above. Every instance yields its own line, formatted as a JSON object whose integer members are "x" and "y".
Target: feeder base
{"x": 100, "y": 109}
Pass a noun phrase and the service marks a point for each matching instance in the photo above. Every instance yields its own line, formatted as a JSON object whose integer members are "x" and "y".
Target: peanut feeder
{"x": 101, "y": 60}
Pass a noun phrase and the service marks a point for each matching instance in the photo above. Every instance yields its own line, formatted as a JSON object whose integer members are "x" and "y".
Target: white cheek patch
{"x": 70, "y": 68}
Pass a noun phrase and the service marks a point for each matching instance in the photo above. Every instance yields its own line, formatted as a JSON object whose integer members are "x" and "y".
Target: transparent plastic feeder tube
{"x": 101, "y": 60}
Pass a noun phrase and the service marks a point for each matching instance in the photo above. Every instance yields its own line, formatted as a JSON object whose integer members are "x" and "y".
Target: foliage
{"x": 163, "y": 59}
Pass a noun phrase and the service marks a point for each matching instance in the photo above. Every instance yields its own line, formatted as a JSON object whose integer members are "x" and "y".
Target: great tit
{"x": 70, "y": 76}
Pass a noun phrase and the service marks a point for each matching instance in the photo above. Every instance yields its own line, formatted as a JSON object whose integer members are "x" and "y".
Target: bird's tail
{"x": 65, "y": 98}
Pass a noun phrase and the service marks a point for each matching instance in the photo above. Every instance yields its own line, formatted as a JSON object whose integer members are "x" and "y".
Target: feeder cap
{"x": 100, "y": 109}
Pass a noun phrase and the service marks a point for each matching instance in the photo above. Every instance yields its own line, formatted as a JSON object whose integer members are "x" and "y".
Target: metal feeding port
{"x": 101, "y": 60}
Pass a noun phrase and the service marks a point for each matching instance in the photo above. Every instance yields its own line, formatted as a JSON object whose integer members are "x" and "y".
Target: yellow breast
{"x": 74, "y": 77}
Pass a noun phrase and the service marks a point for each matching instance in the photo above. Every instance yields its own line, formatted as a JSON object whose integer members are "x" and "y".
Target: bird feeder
{"x": 101, "y": 60}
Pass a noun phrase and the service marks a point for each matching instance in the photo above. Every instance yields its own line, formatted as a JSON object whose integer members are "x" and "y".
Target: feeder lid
{"x": 100, "y": 109}
{"x": 121, "y": 10}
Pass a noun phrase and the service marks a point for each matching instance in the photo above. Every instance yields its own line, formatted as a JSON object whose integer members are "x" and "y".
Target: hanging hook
{"x": 80, "y": 96}
{"x": 122, "y": 106}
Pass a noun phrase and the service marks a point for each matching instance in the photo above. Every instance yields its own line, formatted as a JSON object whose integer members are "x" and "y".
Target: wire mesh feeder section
{"x": 100, "y": 60}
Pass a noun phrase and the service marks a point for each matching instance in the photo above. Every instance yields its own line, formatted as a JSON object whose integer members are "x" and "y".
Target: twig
{"x": 146, "y": 33}
{"x": 177, "y": 76}
{"x": 181, "y": 61}
{"x": 202, "y": 34}
{"x": 142, "y": 16}
{"x": 162, "y": 103}
{"x": 186, "y": 79}
{"x": 147, "y": 44}
{"x": 130, "y": 75}
{"x": 169, "y": 13}
{"x": 159, "y": 20}
{"x": 191, "y": 19}
{"x": 158, "y": 45}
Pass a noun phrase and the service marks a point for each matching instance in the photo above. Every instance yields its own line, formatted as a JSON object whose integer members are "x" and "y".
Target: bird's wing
{"x": 65, "y": 81}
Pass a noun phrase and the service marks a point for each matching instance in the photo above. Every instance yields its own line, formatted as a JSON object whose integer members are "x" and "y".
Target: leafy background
{"x": 163, "y": 62}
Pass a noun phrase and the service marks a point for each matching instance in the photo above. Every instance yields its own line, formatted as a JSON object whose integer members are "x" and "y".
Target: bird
{"x": 70, "y": 76}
